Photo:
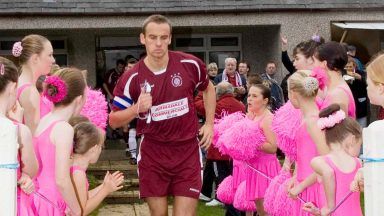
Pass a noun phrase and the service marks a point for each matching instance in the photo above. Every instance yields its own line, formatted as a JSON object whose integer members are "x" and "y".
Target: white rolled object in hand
{"x": 373, "y": 152}
{"x": 8, "y": 167}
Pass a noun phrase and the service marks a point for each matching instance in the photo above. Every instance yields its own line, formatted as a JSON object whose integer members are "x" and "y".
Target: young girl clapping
{"x": 88, "y": 142}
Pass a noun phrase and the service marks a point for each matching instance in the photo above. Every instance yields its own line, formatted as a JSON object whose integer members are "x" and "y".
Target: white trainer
{"x": 214, "y": 202}
{"x": 204, "y": 198}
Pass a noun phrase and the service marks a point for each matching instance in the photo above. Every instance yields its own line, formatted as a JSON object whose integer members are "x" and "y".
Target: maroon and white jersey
{"x": 173, "y": 114}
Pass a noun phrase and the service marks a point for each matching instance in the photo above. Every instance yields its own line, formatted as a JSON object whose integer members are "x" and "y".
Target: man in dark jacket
{"x": 276, "y": 91}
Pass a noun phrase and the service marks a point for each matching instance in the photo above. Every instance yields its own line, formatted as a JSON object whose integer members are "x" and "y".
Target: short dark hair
{"x": 254, "y": 79}
{"x": 307, "y": 48}
{"x": 131, "y": 61}
{"x": 158, "y": 19}
{"x": 272, "y": 62}
{"x": 244, "y": 62}
{"x": 120, "y": 62}
{"x": 129, "y": 56}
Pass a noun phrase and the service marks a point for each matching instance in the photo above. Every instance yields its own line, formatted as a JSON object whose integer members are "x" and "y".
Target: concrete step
{"x": 113, "y": 154}
{"x": 129, "y": 184}
{"x": 100, "y": 168}
{"x": 124, "y": 197}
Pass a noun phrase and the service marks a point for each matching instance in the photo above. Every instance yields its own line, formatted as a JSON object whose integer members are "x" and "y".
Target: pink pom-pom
{"x": 285, "y": 124}
{"x": 222, "y": 124}
{"x": 321, "y": 76}
{"x": 270, "y": 193}
{"x": 243, "y": 140}
{"x": 96, "y": 108}
{"x": 283, "y": 204}
{"x": 225, "y": 191}
{"x": 60, "y": 87}
{"x": 240, "y": 202}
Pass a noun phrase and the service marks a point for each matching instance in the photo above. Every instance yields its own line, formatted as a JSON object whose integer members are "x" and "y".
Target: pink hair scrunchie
{"x": 2, "y": 69}
{"x": 17, "y": 49}
{"x": 61, "y": 89}
{"x": 332, "y": 120}
{"x": 321, "y": 76}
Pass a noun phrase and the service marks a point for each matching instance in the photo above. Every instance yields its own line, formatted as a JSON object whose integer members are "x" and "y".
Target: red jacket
{"x": 227, "y": 103}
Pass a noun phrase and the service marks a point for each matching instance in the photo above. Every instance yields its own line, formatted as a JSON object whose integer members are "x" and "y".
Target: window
{"x": 6, "y": 45}
{"x": 224, "y": 41}
{"x": 61, "y": 59}
{"x": 200, "y": 55}
{"x": 189, "y": 42}
{"x": 209, "y": 47}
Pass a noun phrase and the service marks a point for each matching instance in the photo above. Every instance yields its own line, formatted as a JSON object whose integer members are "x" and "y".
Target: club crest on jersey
{"x": 176, "y": 80}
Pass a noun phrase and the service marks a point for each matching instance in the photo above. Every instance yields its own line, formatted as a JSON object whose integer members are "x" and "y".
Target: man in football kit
{"x": 158, "y": 91}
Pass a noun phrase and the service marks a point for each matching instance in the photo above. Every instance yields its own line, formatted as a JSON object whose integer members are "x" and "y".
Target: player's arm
{"x": 206, "y": 131}
{"x": 125, "y": 109}
{"x": 120, "y": 118}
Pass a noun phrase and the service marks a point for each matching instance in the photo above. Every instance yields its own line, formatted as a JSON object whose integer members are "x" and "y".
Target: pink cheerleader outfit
{"x": 306, "y": 151}
{"x": 25, "y": 205}
{"x": 53, "y": 203}
{"x": 351, "y": 101}
{"x": 79, "y": 169}
{"x": 351, "y": 206}
{"x": 256, "y": 183}
{"x": 45, "y": 105}
{"x": 238, "y": 173}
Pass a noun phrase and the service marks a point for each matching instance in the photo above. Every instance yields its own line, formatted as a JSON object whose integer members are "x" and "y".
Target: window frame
{"x": 207, "y": 48}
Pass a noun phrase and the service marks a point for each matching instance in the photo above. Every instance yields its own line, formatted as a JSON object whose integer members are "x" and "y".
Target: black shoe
{"x": 133, "y": 161}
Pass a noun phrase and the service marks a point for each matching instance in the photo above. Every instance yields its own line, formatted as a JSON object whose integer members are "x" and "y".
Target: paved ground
{"x": 126, "y": 210}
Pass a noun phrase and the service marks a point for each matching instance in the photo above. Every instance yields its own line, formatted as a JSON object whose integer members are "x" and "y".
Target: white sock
{"x": 132, "y": 142}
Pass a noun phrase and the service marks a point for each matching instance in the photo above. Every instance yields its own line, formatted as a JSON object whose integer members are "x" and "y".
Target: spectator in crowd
{"x": 254, "y": 79}
{"x": 212, "y": 71}
{"x": 130, "y": 62}
{"x": 276, "y": 91}
{"x": 356, "y": 81}
{"x": 109, "y": 83}
{"x": 111, "y": 77}
{"x": 234, "y": 77}
{"x": 351, "y": 51}
{"x": 244, "y": 68}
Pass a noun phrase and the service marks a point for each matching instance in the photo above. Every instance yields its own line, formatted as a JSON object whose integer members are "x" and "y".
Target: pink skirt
{"x": 25, "y": 206}
{"x": 51, "y": 204}
{"x": 238, "y": 173}
{"x": 257, "y": 184}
